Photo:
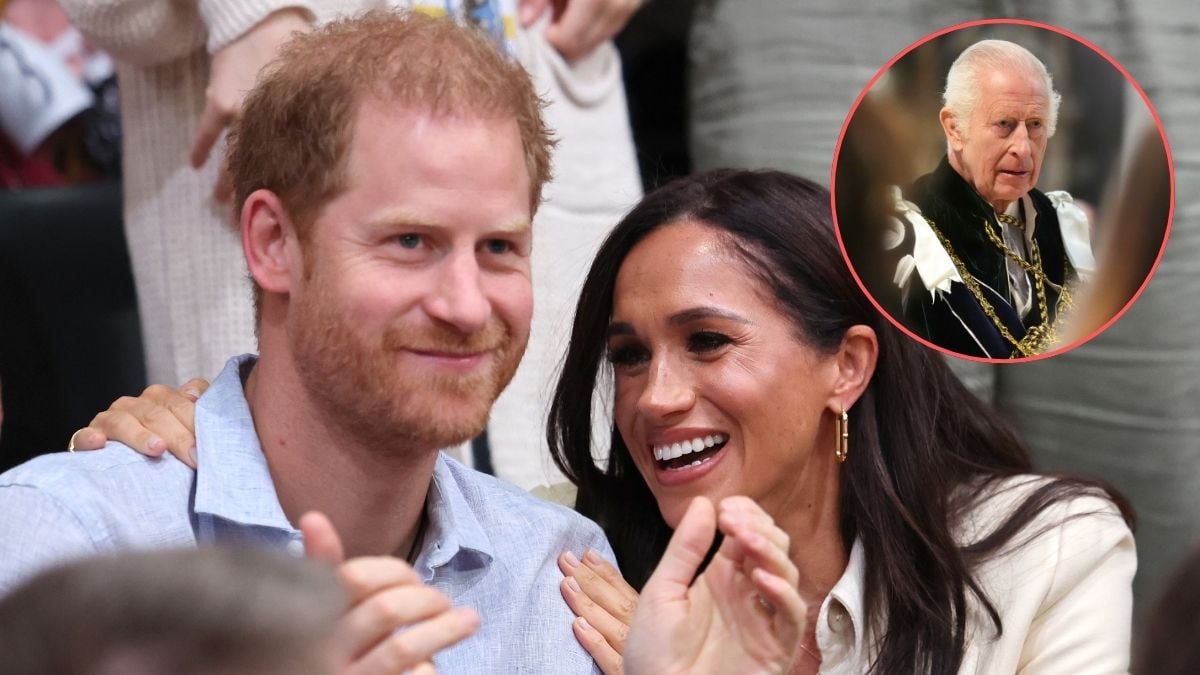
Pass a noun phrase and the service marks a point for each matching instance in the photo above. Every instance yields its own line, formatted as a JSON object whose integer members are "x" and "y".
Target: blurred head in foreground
{"x": 206, "y": 611}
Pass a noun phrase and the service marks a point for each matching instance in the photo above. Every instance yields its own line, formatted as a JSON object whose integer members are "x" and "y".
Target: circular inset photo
{"x": 1003, "y": 190}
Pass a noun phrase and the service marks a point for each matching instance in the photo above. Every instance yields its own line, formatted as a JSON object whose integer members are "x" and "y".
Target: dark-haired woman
{"x": 745, "y": 361}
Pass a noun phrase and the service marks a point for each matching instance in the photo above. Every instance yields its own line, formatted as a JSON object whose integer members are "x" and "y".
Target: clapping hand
{"x": 742, "y": 615}
{"x": 394, "y": 623}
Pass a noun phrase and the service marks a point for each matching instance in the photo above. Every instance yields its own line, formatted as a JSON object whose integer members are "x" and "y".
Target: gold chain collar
{"x": 1038, "y": 339}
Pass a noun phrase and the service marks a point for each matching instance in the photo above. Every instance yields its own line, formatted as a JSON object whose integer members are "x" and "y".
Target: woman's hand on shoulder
{"x": 603, "y": 603}
{"x": 162, "y": 419}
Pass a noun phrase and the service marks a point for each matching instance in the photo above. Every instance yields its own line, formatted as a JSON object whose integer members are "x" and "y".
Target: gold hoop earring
{"x": 841, "y": 427}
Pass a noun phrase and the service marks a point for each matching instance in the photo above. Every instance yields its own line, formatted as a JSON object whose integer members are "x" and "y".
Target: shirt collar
{"x": 233, "y": 481}
{"x": 1022, "y": 209}
{"x": 455, "y": 533}
{"x": 1030, "y": 217}
{"x": 841, "y": 634}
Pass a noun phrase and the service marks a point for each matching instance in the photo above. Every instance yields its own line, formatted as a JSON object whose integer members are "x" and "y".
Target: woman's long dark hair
{"x": 919, "y": 438}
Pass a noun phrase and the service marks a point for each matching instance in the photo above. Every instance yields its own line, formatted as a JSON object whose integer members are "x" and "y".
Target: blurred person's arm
{"x": 577, "y": 27}
{"x": 141, "y": 32}
{"x": 242, "y": 36}
{"x": 239, "y": 52}
{"x": 147, "y": 32}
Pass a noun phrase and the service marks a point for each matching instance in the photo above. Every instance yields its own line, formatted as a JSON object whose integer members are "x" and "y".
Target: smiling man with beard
{"x": 387, "y": 170}
{"x": 986, "y": 261}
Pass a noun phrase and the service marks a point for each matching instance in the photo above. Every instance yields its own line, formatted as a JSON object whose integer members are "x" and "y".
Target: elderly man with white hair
{"x": 988, "y": 260}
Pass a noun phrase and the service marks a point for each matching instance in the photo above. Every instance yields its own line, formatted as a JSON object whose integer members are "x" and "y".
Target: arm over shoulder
{"x": 227, "y": 20}
{"x": 36, "y": 532}
{"x": 1084, "y": 623}
{"x": 142, "y": 32}
{"x": 148, "y": 32}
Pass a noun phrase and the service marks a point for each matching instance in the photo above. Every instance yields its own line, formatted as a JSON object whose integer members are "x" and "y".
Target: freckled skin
{"x": 747, "y": 376}
{"x": 999, "y": 150}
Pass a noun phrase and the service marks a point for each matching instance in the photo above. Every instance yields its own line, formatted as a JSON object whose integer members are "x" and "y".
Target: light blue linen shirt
{"x": 489, "y": 545}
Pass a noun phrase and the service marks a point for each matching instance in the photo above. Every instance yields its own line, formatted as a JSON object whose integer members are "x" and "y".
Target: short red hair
{"x": 296, "y": 124}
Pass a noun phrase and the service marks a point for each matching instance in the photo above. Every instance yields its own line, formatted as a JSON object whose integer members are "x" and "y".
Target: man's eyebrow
{"x": 514, "y": 227}
{"x": 394, "y": 218}
{"x": 408, "y": 219}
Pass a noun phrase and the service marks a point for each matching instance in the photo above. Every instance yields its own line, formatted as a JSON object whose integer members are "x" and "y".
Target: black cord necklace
{"x": 416, "y": 545}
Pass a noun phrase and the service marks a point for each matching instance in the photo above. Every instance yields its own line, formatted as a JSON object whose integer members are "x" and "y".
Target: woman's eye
{"x": 410, "y": 241}
{"x": 626, "y": 356}
{"x": 707, "y": 341}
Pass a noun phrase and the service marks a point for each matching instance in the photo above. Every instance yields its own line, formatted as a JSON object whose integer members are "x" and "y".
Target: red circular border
{"x": 837, "y": 151}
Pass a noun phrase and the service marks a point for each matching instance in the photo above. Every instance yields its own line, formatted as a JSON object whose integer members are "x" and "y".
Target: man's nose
{"x": 459, "y": 298}
{"x": 667, "y": 392}
{"x": 1020, "y": 144}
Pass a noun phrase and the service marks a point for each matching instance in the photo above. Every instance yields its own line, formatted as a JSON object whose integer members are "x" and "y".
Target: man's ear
{"x": 855, "y": 362}
{"x": 269, "y": 242}
{"x": 952, "y": 128}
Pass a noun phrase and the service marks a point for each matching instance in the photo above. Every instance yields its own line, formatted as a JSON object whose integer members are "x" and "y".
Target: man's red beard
{"x": 359, "y": 384}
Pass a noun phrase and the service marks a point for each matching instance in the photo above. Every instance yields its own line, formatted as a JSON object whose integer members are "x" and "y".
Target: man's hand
{"x": 742, "y": 615}
{"x": 578, "y": 26}
{"x": 231, "y": 74}
{"x": 394, "y": 623}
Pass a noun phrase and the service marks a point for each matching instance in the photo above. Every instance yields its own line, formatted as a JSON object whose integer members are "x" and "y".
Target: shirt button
{"x": 837, "y": 617}
{"x": 295, "y": 547}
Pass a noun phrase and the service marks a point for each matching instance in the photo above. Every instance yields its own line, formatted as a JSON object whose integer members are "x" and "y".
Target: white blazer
{"x": 1065, "y": 597}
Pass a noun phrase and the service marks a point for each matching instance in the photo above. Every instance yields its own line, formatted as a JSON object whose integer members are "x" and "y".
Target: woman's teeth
{"x": 671, "y": 451}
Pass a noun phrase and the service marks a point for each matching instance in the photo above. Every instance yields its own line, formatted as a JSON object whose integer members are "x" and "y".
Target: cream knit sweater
{"x": 191, "y": 280}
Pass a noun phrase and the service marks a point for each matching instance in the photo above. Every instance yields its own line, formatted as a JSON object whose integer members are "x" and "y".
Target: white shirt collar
{"x": 841, "y": 629}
